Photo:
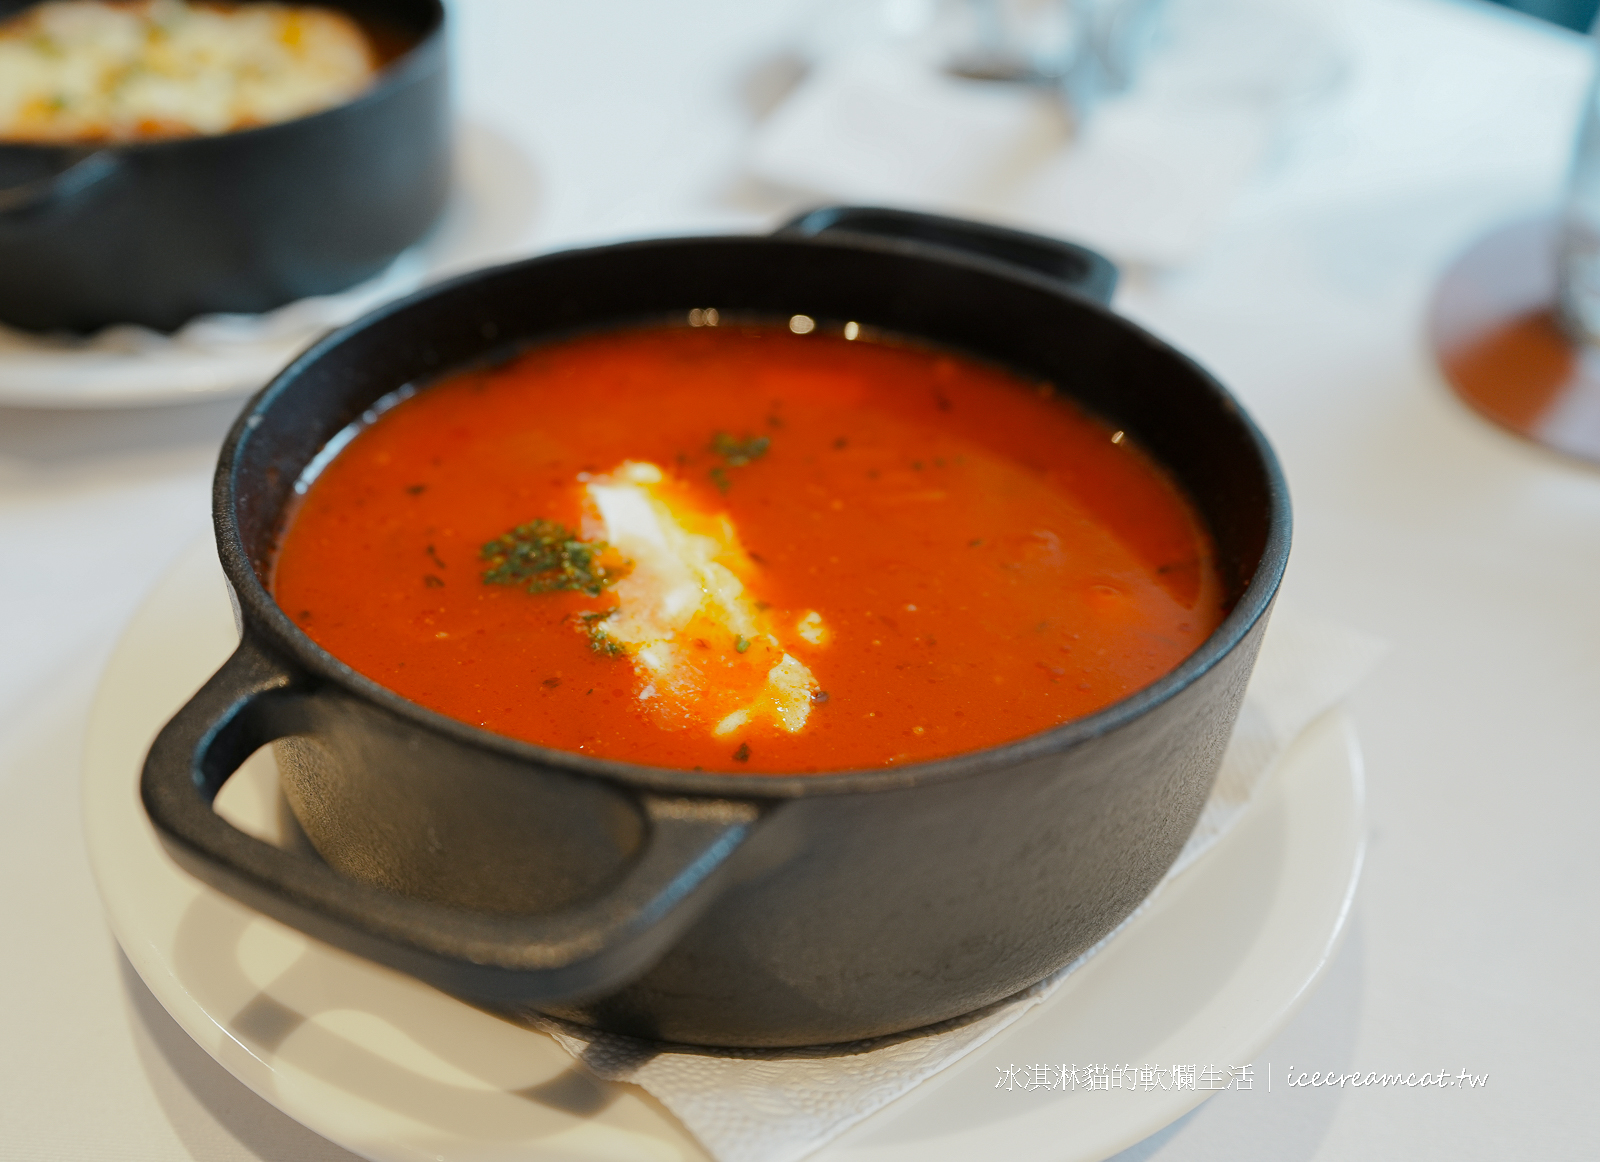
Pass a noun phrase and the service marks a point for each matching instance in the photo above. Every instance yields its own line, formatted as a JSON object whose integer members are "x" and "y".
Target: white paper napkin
{"x": 1149, "y": 175}
{"x": 1157, "y": 169}
{"x": 780, "y": 1105}
{"x": 880, "y": 125}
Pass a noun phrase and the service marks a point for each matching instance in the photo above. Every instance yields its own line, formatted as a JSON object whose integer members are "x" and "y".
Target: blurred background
{"x": 1574, "y": 14}
{"x": 1356, "y": 213}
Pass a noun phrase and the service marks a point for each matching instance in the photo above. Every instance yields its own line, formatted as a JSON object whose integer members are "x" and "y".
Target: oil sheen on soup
{"x": 740, "y": 548}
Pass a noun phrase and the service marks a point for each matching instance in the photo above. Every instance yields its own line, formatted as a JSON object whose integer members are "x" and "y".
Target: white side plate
{"x": 392, "y": 1069}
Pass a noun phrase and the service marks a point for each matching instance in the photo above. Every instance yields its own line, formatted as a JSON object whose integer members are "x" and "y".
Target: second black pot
{"x": 157, "y": 232}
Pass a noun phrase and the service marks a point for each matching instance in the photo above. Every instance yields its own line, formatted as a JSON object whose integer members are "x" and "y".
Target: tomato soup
{"x": 742, "y": 548}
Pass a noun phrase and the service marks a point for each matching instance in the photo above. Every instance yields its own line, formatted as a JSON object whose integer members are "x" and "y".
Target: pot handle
{"x": 582, "y": 951}
{"x": 66, "y": 183}
{"x": 1083, "y": 271}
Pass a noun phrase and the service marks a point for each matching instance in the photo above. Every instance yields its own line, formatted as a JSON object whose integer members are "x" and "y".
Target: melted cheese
{"x": 706, "y": 653}
{"x": 84, "y": 70}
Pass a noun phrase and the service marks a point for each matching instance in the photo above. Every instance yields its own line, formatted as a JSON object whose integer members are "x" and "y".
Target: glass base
{"x": 1494, "y": 329}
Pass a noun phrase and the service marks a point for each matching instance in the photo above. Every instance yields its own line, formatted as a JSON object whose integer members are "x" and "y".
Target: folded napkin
{"x": 1147, "y": 175}
{"x": 880, "y": 125}
{"x": 1157, "y": 169}
{"x": 780, "y": 1105}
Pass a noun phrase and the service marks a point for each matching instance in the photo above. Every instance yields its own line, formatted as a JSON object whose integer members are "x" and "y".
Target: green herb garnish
{"x": 741, "y": 643}
{"x": 599, "y": 640}
{"x": 546, "y": 556}
{"x": 739, "y": 452}
{"x": 736, "y": 452}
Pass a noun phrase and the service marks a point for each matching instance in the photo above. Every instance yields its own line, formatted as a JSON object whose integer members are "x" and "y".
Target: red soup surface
{"x": 743, "y": 549}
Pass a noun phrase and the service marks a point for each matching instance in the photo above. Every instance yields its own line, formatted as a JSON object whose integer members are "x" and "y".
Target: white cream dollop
{"x": 698, "y": 640}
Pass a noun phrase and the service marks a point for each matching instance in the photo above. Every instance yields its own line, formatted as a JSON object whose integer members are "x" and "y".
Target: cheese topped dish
{"x": 93, "y": 71}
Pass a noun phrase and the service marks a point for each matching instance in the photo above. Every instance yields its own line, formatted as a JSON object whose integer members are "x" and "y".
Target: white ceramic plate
{"x": 391, "y": 1069}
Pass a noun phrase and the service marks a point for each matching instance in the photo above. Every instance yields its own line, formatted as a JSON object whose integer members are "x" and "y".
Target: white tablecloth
{"x": 1474, "y": 940}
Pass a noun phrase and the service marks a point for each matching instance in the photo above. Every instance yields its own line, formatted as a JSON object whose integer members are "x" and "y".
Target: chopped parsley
{"x": 736, "y": 452}
{"x": 599, "y": 640}
{"x": 739, "y": 452}
{"x": 547, "y": 556}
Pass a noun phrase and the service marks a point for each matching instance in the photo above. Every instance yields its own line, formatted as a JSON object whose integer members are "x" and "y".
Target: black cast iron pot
{"x": 156, "y": 232}
{"x": 718, "y": 909}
